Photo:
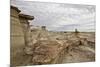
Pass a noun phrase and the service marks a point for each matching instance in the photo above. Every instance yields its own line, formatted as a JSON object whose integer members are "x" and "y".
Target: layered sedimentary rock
{"x": 26, "y": 28}
{"x": 20, "y": 35}
{"x": 40, "y": 46}
{"x": 17, "y": 35}
{"x": 48, "y": 52}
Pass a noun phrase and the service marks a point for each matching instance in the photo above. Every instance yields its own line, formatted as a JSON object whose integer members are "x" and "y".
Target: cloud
{"x": 59, "y": 17}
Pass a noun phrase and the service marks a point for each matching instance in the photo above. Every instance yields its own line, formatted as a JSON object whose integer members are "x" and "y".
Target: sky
{"x": 59, "y": 16}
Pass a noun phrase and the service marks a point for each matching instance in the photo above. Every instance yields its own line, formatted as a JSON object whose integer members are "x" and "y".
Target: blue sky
{"x": 59, "y": 16}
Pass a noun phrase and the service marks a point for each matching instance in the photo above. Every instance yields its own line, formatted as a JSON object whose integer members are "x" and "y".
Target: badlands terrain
{"x": 62, "y": 47}
{"x": 58, "y": 47}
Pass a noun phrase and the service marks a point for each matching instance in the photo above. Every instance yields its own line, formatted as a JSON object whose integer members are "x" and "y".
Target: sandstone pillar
{"x": 26, "y": 28}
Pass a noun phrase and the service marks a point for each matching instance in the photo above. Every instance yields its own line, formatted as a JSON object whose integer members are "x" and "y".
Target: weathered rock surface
{"x": 40, "y": 46}
{"x": 62, "y": 50}
{"x": 46, "y": 52}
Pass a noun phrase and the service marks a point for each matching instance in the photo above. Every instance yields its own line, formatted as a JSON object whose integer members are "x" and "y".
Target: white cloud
{"x": 59, "y": 16}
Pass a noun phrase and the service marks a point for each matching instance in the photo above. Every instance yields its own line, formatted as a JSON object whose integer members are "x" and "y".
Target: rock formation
{"x": 40, "y": 46}
{"x": 17, "y": 35}
{"x": 20, "y": 35}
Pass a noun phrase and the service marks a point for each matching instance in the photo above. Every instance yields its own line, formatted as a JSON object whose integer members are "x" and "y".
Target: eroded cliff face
{"x": 20, "y": 35}
{"x": 17, "y": 36}
{"x": 44, "y": 47}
